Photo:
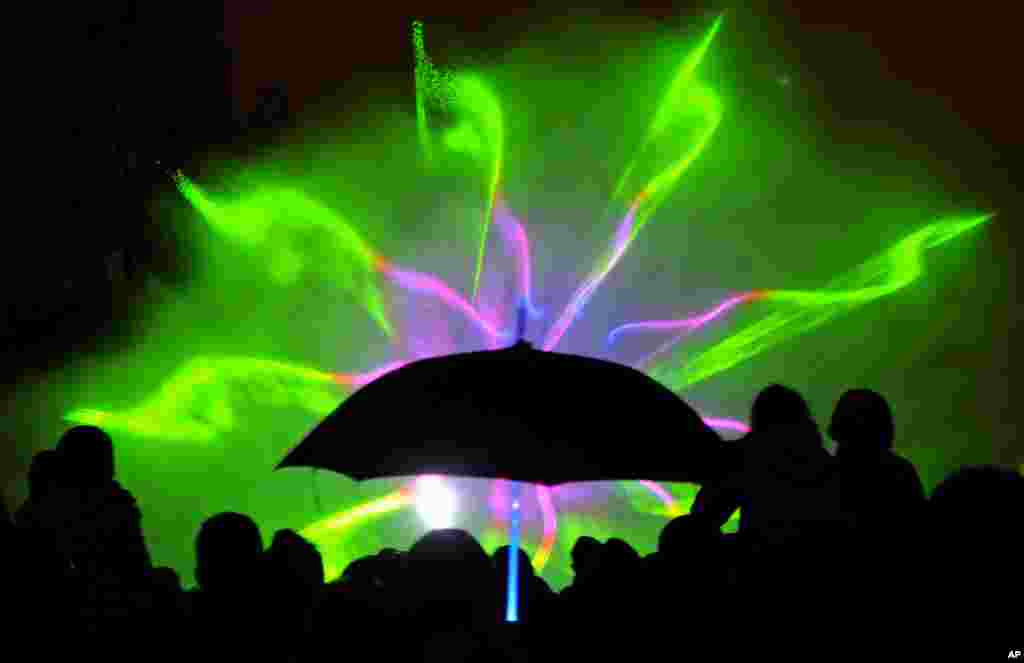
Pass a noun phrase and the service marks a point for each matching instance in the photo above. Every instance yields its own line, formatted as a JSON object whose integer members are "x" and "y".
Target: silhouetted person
{"x": 167, "y": 585}
{"x": 299, "y": 558}
{"x": 689, "y": 537}
{"x": 44, "y": 475}
{"x": 787, "y": 489}
{"x": 449, "y": 565}
{"x": 295, "y": 579}
{"x": 42, "y": 518}
{"x": 977, "y": 537}
{"x": 879, "y": 488}
{"x": 689, "y": 564}
{"x": 582, "y": 596}
{"x": 104, "y": 534}
{"x": 229, "y": 607}
{"x": 169, "y": 615}
{"x": 229, "y": 552}
{"x": 452, "y": 592}
{"x": 785, "y": 481}
{"x": 586, "y": 560}
{"x": 362, "y": 574}
{"x": 389, "y": 567}
{"x": 101, "y": 534}
{"x": 618, "y": 579}
{"x": 619, "y": 554}
{"x": 44, "y": 485}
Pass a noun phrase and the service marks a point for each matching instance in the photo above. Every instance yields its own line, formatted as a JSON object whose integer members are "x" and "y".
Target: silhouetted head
{"x": 296, "y": 557}
{"x": 980, "y": 498}
{"x": 449, "y": 566}
{"x": 390, "y": 563}
{"x": 500, "y": 559}
{"x": 88, "y": 454}
{"x": 618, "y": 554}
{"x": 779, "y": 407}
{"x": 586, "y": 554}
{"x": 45, "y": 474}
{"x": 229, "y": 549}
{"x": 862, "y": 421}
{"x": 976, "y": 529}
{"x": 361, "y": 572}
{"x": 691, "y": 534}
{"x": 454, "y": 545}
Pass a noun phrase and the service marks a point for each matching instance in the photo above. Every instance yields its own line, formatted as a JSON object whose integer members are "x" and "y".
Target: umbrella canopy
{"x": 518, "y": 414}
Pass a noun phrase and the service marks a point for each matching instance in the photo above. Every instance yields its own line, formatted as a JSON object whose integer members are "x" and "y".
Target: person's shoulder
{"x": 898, "y": 463}
{"x": 118, "y": 494}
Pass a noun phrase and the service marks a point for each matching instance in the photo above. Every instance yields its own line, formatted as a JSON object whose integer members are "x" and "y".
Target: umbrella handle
{"x": 512, "y": 593}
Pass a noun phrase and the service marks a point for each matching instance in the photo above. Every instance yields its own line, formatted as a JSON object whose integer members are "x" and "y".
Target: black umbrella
{"x": 518, "y": 414}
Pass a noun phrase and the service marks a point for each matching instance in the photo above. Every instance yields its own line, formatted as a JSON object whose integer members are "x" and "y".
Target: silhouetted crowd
{"x": 835, "y": 554}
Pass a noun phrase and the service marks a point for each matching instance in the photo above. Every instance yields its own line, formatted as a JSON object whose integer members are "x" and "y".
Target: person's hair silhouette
{"x": 45, "y": 474}
{"x": 881, "y": 492}
{"x": 777, "y": 407}
{"x": 88, "y": 454}
{"x": 691, "y": 535}
{"x": 787, "y": 489}
{"x": 983, "y": 499}
{"x": 975, "y": 543}
{"x": 298, "y": 558}
{"x": 452, "y": 576}
{"x": 586, "y": 557}
{"x": 862, "y": 422}
{"x": 229, "y": 549}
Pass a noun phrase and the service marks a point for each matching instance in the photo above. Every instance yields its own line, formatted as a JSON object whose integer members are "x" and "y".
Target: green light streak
{"x": 643, "y": 501}
{"x": 433, "y": 86}
{"x": 688, "y": 116}
{"x": 296, "y": 233}
{"x": 478, "y": 132}
{"x": 205, "y": 397}
{"x": 481, "y": 135}
{"x": 889, "y": 272}
{"x": 329, "y": 531}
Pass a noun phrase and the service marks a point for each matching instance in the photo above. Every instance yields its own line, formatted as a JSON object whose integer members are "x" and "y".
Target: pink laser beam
{"x": 727, "y": 424}
{"x": 499, "y": 502}
{"x": 550, "y": 516}
{"x": 690, "y": 324}
{"x": 431, "y": 285}
{"x": 589, "y": 287}
{"x": 514, "y": 233}
{"x": 671, "y": 506}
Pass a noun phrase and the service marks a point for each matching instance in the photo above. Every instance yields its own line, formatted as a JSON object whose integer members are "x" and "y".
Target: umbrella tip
{"x": 522, "y": 344}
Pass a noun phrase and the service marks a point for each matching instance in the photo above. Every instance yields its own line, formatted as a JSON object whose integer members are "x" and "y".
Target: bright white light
{"x": 435, "y": 502}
